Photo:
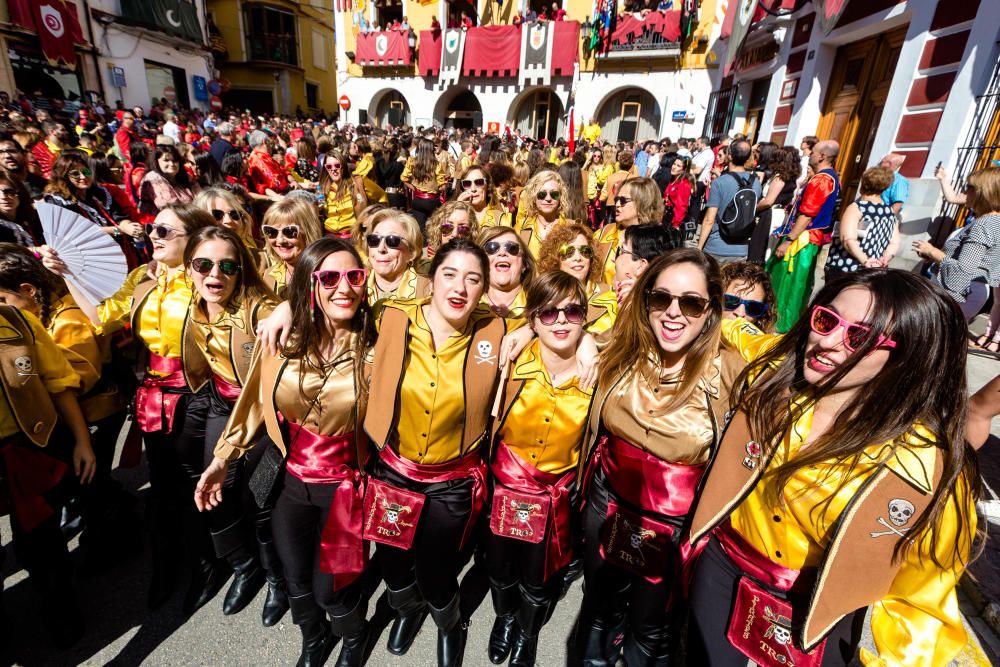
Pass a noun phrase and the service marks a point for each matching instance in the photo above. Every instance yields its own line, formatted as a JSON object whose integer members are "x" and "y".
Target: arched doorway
{"x": 629, "y": 114}
{"x": 463, "y": 111}
{"x": 391, "y": 108}
{"x": 539, "y": 114}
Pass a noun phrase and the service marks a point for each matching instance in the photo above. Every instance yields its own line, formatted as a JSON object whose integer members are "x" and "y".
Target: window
{"x": 312, "y": 96}
{"x": 319, "y": 50}
{"x": 388, "y": 11}
{"x": 458, "y": 7}
{"x": 270, "y": 35}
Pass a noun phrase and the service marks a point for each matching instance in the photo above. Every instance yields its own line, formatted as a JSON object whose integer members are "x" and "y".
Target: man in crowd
{"x": 794, "y": 260}
{"x": 225, "y": 143}
{"x": 723, "y": 191}
{"x": 47, "y": 150}
{"x": 265, "y": 174}
{"x": 897, "y": 193}
{"x": 14, "y": 162}
{"x": 125, "y": 135}
{"x": 701, "y": 163}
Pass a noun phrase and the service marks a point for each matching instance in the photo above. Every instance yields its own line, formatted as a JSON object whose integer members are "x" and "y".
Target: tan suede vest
{"x": 20, "y": 381}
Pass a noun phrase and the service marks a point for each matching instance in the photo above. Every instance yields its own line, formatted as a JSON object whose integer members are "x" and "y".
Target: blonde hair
{"x": 362, "y": 225}
{"x": 985, "y": 195}
{"x": 293, "y": 211}
{"x": 442, "y": 214}
{"x": 563, "y": 234}
{"x": 534, "y": 185}
{"x": 204, "y": 199}
{"x": 646, "y": 197}
{"x": 411, "y": 229}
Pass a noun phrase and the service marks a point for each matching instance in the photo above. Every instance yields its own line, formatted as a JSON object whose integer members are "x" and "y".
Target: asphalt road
{"x": 122, "y": 632}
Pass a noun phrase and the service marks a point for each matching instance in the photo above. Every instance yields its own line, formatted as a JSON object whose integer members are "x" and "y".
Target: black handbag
{"x": 264, "y": 479}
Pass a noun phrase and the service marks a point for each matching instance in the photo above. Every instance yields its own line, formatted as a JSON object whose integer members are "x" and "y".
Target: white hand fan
{"x": 96, "y": 263}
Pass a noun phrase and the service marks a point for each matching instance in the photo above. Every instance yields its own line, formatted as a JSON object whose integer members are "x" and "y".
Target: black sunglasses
{"x": 691, "y": 305}
{"x": 288, "y": 231}
{"x": 392, "y": 241}
{"x": 219, "y": 214}
{"x": 493, "y": 247}
{"x": 155, "y": 231}
{"x": 203, "y": 265}
{"x": 751, "y": 307}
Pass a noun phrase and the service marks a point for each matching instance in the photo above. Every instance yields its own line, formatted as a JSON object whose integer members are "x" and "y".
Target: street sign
{"x": 492, "y": 128}
{"x": 345, "y": 102}
{"x": 118, "y": 77}
{"x": 200, "y": 88}
{"x": 215, "y": 102}
{"x": 170, "y": 93}
{"x": 214, "y": 87}
{"x": 678, "y": 116}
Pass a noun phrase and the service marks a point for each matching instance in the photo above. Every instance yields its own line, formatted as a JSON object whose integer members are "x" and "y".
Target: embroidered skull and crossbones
{"x": 638, "y": 538}
{"x": 900, "y": 513}
{"x": 523, "y": 513}
{"x": 391, "y": 514}
{"x": 484, "y": 352}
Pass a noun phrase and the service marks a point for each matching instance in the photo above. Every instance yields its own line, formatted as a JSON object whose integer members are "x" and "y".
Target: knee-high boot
{"x": 231, "y": 544}
{"x": 451, "y": 634}
{"x": 353, "y": 629}
{"x": 411, "y": 610}
{"x": 276, "y": 602}
{"x": 596, "y": 633}
{"x": 533, "y": 613}
{"x": 506, "y": 600}
{"x": 317, "y": 638}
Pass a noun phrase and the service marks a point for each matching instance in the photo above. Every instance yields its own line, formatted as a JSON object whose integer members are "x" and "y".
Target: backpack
{"x": 737, "y": 222}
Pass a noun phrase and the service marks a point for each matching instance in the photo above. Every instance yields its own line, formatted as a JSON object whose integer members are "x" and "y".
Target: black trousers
{"x": 297, "y": 522}
{"x": 434, "y": 560}
{"x": 713, "y": 592}
{"x": 422, "y": 209}
{"x": 610, "y": 591}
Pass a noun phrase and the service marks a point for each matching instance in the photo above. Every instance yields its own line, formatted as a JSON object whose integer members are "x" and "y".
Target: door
{"x": 629, "y": 125}
{"x": 859, "y": 86}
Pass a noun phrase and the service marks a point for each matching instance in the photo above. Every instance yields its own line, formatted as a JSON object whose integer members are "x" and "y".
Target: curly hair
{"x": 786, "y": 164}
{"x": 18, "y": 265}
{"x": 59, "y": 181}
{"x": 749, "y": 275}
{"x": 534, "y": 185}
{"x": 442, "y": 214}
{"x": 563, "y": 234}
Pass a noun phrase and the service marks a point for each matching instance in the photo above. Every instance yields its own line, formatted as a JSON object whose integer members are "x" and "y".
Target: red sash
{"x": 226, "y": 390}
{"x": 153, "y": 406}
{"x": 30, "y": 473}
{"x": 469, "y": 466}
{"x": 321, "y": 459}
{"x": 420, "y": 194}
{"x": 532, "y": 505}
{"x": 760, "y": 624}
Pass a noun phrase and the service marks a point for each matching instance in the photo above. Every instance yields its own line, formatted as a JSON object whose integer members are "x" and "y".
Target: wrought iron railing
{"x": 272, "y": 48}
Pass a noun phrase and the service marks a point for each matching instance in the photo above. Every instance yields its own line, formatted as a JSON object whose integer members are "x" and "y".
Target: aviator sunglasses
{"x": 204, "y": 266}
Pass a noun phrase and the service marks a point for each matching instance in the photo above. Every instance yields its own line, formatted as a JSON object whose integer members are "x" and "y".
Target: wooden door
{"x": 859, "y": 86}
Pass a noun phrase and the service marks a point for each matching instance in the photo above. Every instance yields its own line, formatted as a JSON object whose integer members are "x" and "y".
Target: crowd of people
{"x": 463, "y": 365}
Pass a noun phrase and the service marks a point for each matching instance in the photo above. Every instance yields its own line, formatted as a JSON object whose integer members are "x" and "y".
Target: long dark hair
{"x": 249, "y": 284}
{"x": 308, "y": 321}
{"x": 425, "y": 162}
{"x": 923, "y": 382}
{"x": 59, "y": 181}
{"x": 634, "y": 340}
{"x": 208, "y": 169}
{"x": 182, "y": 178}
{"x": 576, "y": 206}
{"x": 18, "y": 265}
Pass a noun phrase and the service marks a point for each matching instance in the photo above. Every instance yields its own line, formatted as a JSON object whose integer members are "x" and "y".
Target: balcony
{"x": 272, "y": 48}
{"x": 655, "y": 35}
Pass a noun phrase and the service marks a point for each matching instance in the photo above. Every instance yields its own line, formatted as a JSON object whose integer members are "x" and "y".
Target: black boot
{"x": 247, "y": 582}
{"x": 161, "y": 583}
{"x": 276, "y": 602}
{"x": 317, "y": 638}
{"x": 505, "y": 603}
{"x": 207, "y": 579}
{"x": 353, "y": 629}
{"x": 638, "y": 654}
{"x": 410, "y": 614}
{"x": 595, "y": 641}
{"x": 573, "y": 572}
{"x": 531, "y": 616}
{"x": 451, "y": 633}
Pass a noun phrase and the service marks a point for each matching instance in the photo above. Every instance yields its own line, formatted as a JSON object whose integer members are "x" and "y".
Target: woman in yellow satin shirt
{"x": 544, "y": 199}
{"x": 394, "y": 246}
{"x": 511, "y": 270}
{"x": 475, "y": 186}
{"x": 308, "y": 404}
{"x": 345, "y": 195}
{"x": 289, "y": 225}
{"x": 425, "y": 178}
{"x": 155, "y": 299}
{"x": 229, "y": 299}
{"x": 228, "y": 211}
{"x": 538, "y": 435}
{"x": 846, "y": 484}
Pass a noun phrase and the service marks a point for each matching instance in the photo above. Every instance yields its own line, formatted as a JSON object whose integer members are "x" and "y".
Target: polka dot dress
{"x": 874, "y": 235}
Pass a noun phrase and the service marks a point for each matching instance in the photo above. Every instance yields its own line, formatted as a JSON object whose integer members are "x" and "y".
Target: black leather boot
{"x": 505, "y": 603}
{"x": 317, "y": 637}
{"x": 247, "y": 581}
{"x": 276, "y": 602}
{"x": 207, "y": 579}
{"x": 573, "y": 572}
{"x": 595, "y": 641}
{"x": 531, "y": 616}
{"x": 451, "y": 633}
{"x": 411, "y": 610}
{"x": 638, "y": 654}
{"x": 353, "y": 629}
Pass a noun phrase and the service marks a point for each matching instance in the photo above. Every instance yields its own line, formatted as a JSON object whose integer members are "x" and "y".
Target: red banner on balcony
{"x": 665, "y": 24}
{"x": 55, "y": 22}
{"x": 492, "y": 51}
{"x": 387, "y": 48}
{"x": 565, "y": 47}
{"x": 429, "y": 60}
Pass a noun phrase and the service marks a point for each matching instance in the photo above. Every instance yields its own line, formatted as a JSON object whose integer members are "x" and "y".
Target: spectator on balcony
{"x": 558, "y": 13}
{"x": 531, "y": 15}
{"x": 517, "y": 20}
{"x": 435, "y": 25}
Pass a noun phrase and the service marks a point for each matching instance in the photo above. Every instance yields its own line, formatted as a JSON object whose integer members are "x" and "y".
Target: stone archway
{"x": 389, "y": 107}
{"x": 461, "y": 109}
{"x": 538, "y": 114}
{"x": 629, "y": 114}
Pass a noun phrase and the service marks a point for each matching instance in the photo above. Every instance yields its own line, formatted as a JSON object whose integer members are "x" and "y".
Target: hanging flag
{"x": 175, "y": 17}
{"x": 689, "y": 18}
{"x": 743, "y": 13}
{"x": 828, "y": 12}
{"x": 56, "y": 24}
{"x": 571, "y": 124}
{"x": 536, "y": 53}
{"x": 451, "y": 57}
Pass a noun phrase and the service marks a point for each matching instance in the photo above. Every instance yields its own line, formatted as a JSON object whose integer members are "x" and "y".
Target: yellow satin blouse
{"x": 513, "y": 315}
{"x": 607, "y": 301}
{"x": 319, "y": 396}
{"x": 51, "y": 365}
{"x": 918, "y": 622}
{"x": 276, "y": 277}
{"x": 546, "y": 424}
{"x": 339, "y": 212}
{"x": 407, "y": 288}
{"x": 214, "y": 339}
{"x": 596, "y": 179}
{"x": 637, "y": 410}
{"x": 535, "y": 239}
{"x": 161, "y": 320}
{"x": 493, "y": 217}
{"x": 612, "y": 235}
{"x": 432, "y": 395}
{"x": 430, "y": 187}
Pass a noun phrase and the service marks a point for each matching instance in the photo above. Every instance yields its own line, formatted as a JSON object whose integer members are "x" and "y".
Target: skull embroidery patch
{"x": 23, "y": 365}
{"x": 900, "y": 513}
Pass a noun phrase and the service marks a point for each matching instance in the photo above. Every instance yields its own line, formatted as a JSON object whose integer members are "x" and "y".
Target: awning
{"x": 492, "y": 51}
{"x": 55, "y": 22}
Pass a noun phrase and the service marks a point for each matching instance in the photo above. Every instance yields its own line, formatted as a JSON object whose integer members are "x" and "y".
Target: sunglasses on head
{"x": 824, "y": 322}
{"x": 751, "y": 307}
{"x": 155, "y": 231}
{"x": 203, "y": 265}
{"x": 548, "y": 194}
{"x": 81, "y": 173}
{"x": 691, "y": 305}
{"x": 219, "y": 214}
{"x": 448, "y": 228}
{"x": 469, "y": 182}
{"x": 574, "y": 313}
{"x": 566, "y": 251}
{"x": 392, "y": 241}
{"x": 288, "y": 231}
{"x": 329, "y": 279}
{"x": 512, "y": 248}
